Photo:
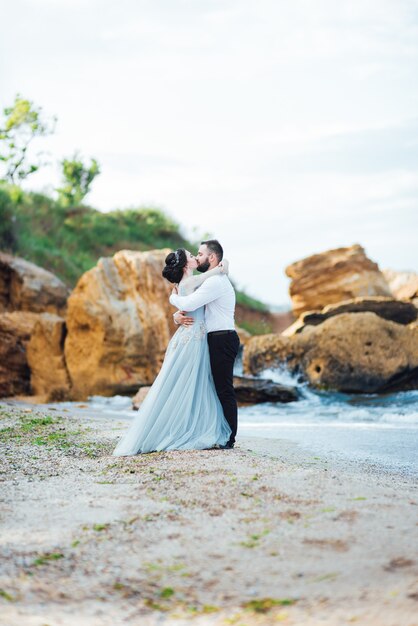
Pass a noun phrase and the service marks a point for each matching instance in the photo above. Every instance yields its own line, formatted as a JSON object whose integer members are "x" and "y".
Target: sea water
{"x": 376, "y": 428}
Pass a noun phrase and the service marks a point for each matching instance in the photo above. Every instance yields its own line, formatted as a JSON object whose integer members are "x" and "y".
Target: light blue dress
{"x": 181, "y": 410}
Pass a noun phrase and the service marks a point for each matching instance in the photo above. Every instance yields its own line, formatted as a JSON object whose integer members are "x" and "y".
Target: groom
{"x": 218, "y": 296}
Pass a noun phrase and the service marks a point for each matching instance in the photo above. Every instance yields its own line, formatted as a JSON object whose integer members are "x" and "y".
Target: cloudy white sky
{"x": 283, "y": 127}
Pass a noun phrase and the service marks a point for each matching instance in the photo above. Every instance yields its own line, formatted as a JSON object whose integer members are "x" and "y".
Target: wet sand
{"x": 266, "y": 533}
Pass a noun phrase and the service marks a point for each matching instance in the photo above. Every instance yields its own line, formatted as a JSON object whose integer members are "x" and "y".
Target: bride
{"x": 181, "y": 410}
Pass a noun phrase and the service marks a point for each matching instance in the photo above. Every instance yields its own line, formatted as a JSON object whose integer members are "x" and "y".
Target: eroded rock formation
{"x": 351, "y": 352}
{"x": 398, "y": 311}
{"x": 16, "y": 328}
{"x": 403, "y": 285}
{"x": 26, "y": 287}
{"x": 119, "y": 322}
{"x": 333, "y": 276}
{"x": 45, "y": 355}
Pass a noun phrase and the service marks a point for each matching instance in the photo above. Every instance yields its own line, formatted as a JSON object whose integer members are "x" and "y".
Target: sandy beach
{"x": 266, "y": 533}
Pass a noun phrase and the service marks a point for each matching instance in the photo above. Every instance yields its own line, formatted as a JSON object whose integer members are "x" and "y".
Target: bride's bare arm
{"x": 190, "y": 284}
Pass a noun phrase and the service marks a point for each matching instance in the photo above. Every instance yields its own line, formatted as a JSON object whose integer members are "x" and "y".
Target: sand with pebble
{"x": 262, "y": 534}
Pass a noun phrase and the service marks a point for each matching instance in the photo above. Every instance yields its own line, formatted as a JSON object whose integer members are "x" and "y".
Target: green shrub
{"x": 7, "y": 227}
{"x": 68, "y": 240}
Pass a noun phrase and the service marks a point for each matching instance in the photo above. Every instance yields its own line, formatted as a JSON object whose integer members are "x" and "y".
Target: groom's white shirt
{"x": 217, "y": 295}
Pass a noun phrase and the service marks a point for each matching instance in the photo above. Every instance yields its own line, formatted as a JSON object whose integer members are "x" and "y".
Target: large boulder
{"x": 399, "y": 311}
{"x": 333, "y": 276}
{"x": 119, "y": 322}
{"x": 26, "y": 287}
{"x": 256, "y": 390}
{"x": 49, "y": 378}
{"x": 351, "y": 352}
{"x": 15, "y": 330}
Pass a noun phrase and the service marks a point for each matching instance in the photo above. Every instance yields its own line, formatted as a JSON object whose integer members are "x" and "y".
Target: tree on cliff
{"x": 23, "y": 122}
{"x": 77, "y": 180}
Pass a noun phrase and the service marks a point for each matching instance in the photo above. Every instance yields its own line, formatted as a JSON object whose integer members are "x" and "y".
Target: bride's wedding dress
{"x": 181, "y": 410}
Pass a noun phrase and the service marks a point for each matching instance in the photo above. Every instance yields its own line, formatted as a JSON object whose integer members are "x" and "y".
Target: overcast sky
{"x": 282, "y": 127}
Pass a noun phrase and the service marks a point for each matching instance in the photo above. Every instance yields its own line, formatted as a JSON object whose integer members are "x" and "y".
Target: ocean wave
{"x": 320, "y": 412}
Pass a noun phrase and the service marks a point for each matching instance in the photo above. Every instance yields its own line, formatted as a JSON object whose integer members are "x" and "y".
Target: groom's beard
{"x": 203, "y": 267}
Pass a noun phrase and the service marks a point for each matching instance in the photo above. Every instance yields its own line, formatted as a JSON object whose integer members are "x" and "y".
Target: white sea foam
{"x": 113, "y": 403}
{"x": 312, "y": 408}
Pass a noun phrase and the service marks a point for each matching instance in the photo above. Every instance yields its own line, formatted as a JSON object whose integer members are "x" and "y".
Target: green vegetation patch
{"x": 256, "y": 327}
{"x": 49, "y": 432}
{"x": 6, "y": 595}
{"x": 251, "y": 303}
{"x": 265, "y": 605}
{"x": 68, "y": 240}
{"x": 43, "y": 559}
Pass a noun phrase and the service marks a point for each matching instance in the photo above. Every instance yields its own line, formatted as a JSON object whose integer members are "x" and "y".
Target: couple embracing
{"x": 191, "y": 404}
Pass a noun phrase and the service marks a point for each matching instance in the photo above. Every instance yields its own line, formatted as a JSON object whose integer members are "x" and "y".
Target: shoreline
{"x": 268, "y": 532}
{"x": 307, "y": 446}
{"x": 347, "y": 459}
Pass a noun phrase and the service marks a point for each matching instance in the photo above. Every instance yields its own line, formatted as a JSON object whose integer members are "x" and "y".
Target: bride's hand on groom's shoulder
{"x": 224, "y": 265}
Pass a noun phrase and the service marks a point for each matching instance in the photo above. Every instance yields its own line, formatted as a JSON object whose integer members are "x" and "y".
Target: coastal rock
{"x": 119, "y": 322}
{"x": 403, "y": 285}
{"x": 256, "y": 390}
{"x": 333, "y": 276}
{"x": 139, "y": 397}
{"x": 398, "y": 311}
{"x": 15, "y": 331}
{"x": 269, "y": 351}
{"x": 244, "y": 335}
{"x": 26, "y": 287}
{"x": 45, "y": 355}
{"x": 350, "y": 352}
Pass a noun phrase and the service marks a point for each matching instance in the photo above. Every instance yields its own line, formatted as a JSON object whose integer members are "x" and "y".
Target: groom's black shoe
{"x": 227, "y": 446}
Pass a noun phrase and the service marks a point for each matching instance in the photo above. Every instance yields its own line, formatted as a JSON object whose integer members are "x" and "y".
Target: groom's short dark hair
{"x": 214, "y": 247}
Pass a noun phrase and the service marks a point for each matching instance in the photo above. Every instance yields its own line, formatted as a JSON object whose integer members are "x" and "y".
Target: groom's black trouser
{"x": 223, "y": 349}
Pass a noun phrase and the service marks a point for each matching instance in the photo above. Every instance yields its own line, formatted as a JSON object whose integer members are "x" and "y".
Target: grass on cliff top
{"x": 68, "y": 241}
{"x": 251, "y": 303}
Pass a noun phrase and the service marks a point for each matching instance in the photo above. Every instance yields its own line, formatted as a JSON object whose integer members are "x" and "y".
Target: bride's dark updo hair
{"x": 175, "y": 262}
